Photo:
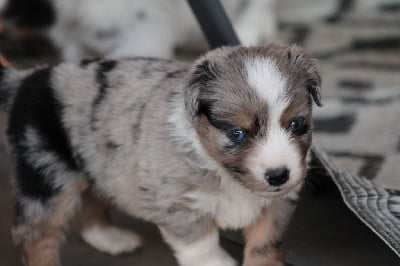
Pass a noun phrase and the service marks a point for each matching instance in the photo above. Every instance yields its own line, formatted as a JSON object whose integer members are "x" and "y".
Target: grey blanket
{"x": 357, "y": 133}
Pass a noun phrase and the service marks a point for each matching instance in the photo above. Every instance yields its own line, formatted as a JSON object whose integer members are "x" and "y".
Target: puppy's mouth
{"x": 275, "y": 192}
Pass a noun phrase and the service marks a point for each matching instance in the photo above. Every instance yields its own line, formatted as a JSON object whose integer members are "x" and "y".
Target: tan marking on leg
{"x": 43, "y": 252}
{"x": 264, "y": 237}
{"x": 94, "y": 211}
{"x": 38, "y": 239}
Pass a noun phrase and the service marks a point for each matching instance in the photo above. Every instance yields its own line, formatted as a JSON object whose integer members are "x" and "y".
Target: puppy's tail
{"x": 10, "y": 79}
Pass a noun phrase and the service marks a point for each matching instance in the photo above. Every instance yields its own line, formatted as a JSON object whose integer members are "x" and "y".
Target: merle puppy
{"x": 220, "y": 144}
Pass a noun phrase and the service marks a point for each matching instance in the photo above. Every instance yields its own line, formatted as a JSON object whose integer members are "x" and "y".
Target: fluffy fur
{"x": 159, "y": 140}
{"x": 116, "y": 28}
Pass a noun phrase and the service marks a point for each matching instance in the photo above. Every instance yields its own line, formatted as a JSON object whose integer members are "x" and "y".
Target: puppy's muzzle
{"x": 277, "y": 176}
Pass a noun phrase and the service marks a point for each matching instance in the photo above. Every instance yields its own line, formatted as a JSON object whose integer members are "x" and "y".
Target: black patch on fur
{"x": 315, "y": 93}
{"x": 18, "y": 211}
{"x": 334, "y": 125}
{"x": 36, "y": 107}
{"x": 101, "y": 77}
{"x": 171, "y": 96}
{"x": 355, "y": 84}
{"x": 103, "y": 68}
{"x": 136, "y": 127}
{"x": 203, "y": 73}
{"x": 33, "y": 182}
{"x": 219, "y": 124}
{"x": 31, "y": 14}
{"x": 371, "y": 163}
{"x": 205, "y": 108}
{"x": 80, "y": 162}
{"x": 235, "y": 169}
{"x": 112, "y": 146}
{"x": 86, "y": 62}
{"x": 143, "y": 188}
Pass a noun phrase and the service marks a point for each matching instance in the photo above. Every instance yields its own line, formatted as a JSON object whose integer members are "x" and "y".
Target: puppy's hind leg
{"x": 98, "y": 231}
{"x": 42, "y": 212}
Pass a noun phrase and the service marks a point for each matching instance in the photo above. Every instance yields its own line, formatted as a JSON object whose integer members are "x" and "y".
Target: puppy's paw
{"x": 224, "y": 261}
{"x": 216, "y": 257}
{"x": 220, "y": 258}
{"x": 111, "y": 239}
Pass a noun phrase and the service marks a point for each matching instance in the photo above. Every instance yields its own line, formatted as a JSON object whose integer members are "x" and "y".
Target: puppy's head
{"x": 252, "y": 108}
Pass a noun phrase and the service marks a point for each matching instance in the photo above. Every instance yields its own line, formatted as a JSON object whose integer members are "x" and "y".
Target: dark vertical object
{"x": 214, "y": 22}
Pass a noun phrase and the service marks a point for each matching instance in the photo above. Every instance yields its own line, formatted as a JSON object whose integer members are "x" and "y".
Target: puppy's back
{"x": 91, "y": 108}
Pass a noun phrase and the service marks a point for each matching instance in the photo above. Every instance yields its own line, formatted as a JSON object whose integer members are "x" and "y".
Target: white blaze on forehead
{"x": 264, "y": 76}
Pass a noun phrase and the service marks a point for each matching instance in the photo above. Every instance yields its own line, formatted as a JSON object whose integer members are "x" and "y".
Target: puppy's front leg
{"x": 264, "y": 238}
{"x": 199, "y": 248}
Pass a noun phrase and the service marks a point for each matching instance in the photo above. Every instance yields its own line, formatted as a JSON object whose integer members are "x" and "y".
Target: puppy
{"x": 221, "y": 144}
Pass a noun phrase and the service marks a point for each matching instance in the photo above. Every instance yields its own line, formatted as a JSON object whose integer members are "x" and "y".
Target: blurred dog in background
{"x": 117, "y": 28}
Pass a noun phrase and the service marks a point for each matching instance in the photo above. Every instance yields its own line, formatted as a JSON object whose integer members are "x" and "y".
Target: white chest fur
{"x": 232, "y": 206}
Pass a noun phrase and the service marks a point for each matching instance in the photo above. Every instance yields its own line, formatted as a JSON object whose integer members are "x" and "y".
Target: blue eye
{"x": 236, "y": 135}
{"x": 298, "y": 126}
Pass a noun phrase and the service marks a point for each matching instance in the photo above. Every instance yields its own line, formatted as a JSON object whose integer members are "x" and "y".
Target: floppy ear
{"x": 313, "y": 79}
{"x": 314, "y": 85}
{"x": 305, "y": 68}
{"x": 201, "y": 75}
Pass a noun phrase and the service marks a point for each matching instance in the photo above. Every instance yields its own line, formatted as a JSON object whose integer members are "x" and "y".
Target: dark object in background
{"x": 214, "y": 23}
{"x": 30, "y": 14}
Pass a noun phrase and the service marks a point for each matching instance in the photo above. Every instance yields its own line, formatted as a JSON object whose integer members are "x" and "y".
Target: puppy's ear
{"x": 304, "y": 68}
{"x": 202, "y": 76}
{"x": 313, "y": 77}
{"x": 314, "y": 84}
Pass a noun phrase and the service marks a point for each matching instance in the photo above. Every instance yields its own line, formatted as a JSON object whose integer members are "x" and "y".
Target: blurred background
{"x": 357, "y": 44}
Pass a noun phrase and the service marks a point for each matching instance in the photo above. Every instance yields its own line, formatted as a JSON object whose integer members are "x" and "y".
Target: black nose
{"x": 277, "y": 176}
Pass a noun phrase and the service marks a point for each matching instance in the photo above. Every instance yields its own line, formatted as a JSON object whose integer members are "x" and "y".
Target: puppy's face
{"x": 251, "y": 108}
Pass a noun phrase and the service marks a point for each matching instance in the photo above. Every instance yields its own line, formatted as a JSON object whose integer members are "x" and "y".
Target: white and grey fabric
{"x": 357, "y": 131}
